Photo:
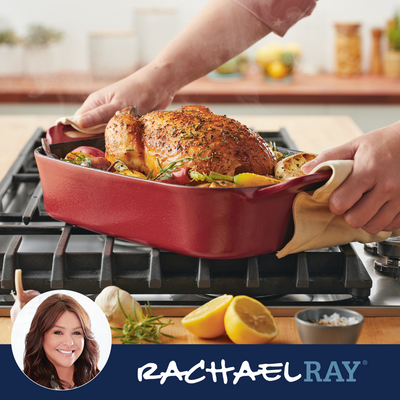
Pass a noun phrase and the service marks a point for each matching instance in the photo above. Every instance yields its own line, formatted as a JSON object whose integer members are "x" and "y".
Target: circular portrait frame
{"x": 99, "y": 326}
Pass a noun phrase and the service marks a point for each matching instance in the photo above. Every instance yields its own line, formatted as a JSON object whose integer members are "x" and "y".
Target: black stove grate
{"x": 54, "y": 255}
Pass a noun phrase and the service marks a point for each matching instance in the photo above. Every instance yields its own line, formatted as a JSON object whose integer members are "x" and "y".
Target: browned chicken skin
{"x": 161, "y": 137}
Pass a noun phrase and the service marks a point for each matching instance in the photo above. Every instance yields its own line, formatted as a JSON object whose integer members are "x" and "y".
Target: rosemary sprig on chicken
{"x": 174, "y": 166}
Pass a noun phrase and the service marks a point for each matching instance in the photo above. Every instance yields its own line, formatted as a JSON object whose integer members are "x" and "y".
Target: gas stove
{"x": 54, "y": 255}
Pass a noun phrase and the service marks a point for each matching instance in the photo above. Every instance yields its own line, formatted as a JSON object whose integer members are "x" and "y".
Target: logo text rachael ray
{"x": 313, "y": 371}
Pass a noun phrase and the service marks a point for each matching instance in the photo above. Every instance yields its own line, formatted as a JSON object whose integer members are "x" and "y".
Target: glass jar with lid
{"x": 348, "y": 49}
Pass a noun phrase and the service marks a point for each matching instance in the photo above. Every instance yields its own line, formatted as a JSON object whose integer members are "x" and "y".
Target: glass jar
{"x": 348, "y": 49}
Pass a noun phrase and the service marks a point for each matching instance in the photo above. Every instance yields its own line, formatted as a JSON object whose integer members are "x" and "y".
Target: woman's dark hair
{"x": 36, "y": 364}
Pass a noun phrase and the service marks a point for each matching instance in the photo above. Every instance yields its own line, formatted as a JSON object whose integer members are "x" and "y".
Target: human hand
{"x": 143, "y": 90}
{"x": 208, "y": 41}
{"x": 370, "y": 197}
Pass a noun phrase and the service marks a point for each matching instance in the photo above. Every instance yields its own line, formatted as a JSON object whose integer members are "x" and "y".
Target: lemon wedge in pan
{"x": 250, "y": 179}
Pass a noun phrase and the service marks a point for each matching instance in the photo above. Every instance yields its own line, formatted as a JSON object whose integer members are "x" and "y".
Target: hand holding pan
{"x": 67, "y": 130}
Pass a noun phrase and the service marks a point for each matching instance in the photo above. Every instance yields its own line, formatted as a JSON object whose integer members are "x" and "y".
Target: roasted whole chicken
{"x": 202, "y": 140}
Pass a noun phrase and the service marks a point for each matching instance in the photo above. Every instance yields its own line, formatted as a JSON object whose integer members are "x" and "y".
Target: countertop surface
{"x": 252, "y": 88}
{"x": 310, "y": 133}
{"x": 376, "y": 330}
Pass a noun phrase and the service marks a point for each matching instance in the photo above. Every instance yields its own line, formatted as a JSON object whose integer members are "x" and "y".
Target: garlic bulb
{"x": 107, "y": 300}
{"x": 21, "y": 297}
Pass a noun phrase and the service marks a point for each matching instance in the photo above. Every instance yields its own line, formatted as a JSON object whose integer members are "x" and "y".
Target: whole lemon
{"x": 276, "y": 70}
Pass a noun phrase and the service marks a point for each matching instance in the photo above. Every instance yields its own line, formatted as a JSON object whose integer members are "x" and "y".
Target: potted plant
{"x": 39, "y": 45}
{"x": 391, "y": 59}
{"x": 10, "y": 53}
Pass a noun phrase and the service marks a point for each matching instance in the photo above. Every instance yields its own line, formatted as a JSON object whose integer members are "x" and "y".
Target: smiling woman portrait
{"x": 60, "y": 350}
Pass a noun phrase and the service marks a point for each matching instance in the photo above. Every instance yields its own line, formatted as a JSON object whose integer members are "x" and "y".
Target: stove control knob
{"x": 389, "y": 248}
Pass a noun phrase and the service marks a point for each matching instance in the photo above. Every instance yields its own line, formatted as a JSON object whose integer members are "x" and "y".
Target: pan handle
{"x": 296, "y": 185}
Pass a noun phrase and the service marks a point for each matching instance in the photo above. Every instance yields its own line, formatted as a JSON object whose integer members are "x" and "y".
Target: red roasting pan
{"x": 199, "y": 222}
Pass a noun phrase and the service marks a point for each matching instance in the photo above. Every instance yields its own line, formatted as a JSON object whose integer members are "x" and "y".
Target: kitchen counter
{"x": 376, "y": 330}
{"x": 253, "y": 88}
{"x": 311, "y": 133}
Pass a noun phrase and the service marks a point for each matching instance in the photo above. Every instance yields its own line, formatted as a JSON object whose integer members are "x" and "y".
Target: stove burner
{"x": 292, "y": 298}
{"x": 210, "y": 296}
{"x": 389, "y": 262}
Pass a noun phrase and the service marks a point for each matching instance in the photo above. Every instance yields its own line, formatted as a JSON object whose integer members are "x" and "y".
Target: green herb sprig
{"x": 79, "y": 158}
{"x": 213, "y": 177}
{"x": 284, "y": 155}
{"x": 274, "y": 149}
{"x": 166, "y": 173}
{"x": 146, "y": 329}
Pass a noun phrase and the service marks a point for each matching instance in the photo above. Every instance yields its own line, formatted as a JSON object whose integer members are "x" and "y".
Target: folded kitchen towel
{"x": 315, "y": 226}
{"x": 93, "y": 130}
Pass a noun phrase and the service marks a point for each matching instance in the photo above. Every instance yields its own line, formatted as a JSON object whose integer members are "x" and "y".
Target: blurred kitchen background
{"x": 338, "y": 61}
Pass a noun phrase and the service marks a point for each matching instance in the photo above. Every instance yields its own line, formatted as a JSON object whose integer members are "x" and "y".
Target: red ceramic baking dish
{"x": 200, "y": 222}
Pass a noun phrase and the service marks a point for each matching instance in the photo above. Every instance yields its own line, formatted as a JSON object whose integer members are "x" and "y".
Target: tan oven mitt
{"x": 315, "y": 226}
{"x": 93, "y": 130}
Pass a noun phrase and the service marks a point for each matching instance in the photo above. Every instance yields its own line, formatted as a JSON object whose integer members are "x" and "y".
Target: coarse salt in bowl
{"x": 329, "y": 325}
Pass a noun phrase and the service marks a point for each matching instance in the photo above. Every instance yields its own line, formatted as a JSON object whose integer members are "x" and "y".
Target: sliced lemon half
{"x": 247, "y": 321}
{"x": 207, "y": 321}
